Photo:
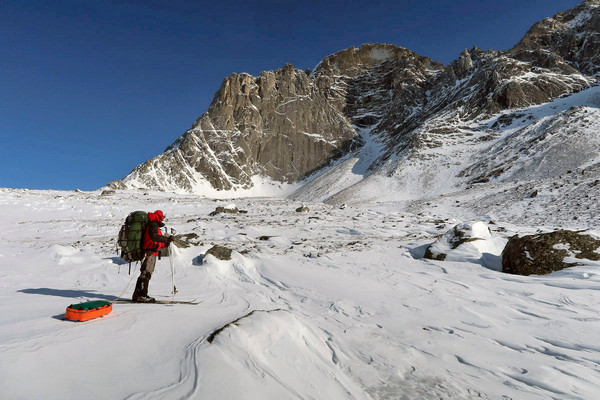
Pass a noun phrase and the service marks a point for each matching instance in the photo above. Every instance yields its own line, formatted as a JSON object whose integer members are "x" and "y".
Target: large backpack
{"x": 131, "y": 236}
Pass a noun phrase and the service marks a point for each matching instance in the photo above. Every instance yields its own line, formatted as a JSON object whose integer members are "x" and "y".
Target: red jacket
{"x": 153, "y": 238}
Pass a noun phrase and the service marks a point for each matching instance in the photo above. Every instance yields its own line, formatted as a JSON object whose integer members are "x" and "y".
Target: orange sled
{"x": 88, "y": 310}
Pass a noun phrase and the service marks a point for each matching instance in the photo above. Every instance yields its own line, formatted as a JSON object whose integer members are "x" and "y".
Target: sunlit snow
{"x": 334, "y": 303}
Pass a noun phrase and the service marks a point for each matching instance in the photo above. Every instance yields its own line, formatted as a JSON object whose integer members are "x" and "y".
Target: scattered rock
{"x": 230, "y": 209}
{"x": 546, "y": 252}
{"x": 185, "y": 240}
{"x": 219, "y": 252}
{"x": 302, "y": 209}
{"x": 107, "y": 192}
{"x": 214, "y": 334}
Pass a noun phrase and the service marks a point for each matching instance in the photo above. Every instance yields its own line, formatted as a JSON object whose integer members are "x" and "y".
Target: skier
{"x": 153, "y": 241}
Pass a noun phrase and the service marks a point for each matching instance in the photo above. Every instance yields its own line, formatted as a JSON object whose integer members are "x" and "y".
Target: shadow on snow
{"x": 73, "y": 294}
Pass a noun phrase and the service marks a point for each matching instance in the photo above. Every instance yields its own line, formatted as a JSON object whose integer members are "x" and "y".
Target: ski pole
{"x": 172, "y": 262}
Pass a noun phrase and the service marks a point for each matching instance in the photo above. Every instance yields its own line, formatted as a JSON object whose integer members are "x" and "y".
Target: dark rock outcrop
{"x": 219, "y": 252}
{"x": 431, "y": 256}
{"x": 546, "y": 252}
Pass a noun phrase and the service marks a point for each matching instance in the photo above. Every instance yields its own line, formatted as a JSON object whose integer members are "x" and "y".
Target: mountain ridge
{"x": 382, "y": 105}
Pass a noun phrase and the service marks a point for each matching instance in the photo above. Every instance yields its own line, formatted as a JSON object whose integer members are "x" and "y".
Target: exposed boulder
{"x": 230, "y": 209}
{"x": 465, "y": 242}
{"x": 547, "y": 252}
{"x": 219, "y": 252}
{"x": 302, "y": 209}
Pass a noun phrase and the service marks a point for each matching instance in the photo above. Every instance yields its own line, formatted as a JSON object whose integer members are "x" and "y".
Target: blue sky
{"x": 91, "y": 88}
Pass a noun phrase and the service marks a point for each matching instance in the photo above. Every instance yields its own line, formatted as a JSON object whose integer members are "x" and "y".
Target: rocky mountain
{"x": 283, "y": 125}
{"x": 383, "y": 117}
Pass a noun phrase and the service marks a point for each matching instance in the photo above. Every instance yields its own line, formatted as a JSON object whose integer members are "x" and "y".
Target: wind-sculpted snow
{"x": 334, "y": 303}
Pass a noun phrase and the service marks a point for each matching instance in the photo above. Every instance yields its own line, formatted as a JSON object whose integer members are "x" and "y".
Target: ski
{"x": 125, "y": 301}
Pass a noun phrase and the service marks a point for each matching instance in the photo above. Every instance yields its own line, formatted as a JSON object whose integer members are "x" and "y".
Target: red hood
{"x": 156, "y": 216}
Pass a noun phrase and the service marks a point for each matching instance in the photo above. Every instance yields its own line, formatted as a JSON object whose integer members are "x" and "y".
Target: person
{"x": 153, "y": 241}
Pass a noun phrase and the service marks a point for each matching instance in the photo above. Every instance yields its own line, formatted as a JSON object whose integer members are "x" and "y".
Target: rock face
{"x": 385, "y": 104}
{"x": 544, "y": 253}
{"x": 284, "y": 124}
{"x": 281, "y": 125}
{"x": 571, "y": 36}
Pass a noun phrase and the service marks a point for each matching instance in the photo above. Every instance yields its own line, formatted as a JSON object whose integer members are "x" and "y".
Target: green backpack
{"x": 131, "y": 236}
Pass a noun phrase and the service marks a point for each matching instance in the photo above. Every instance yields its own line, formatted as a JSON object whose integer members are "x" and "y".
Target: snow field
{"x": 334, "y": 304}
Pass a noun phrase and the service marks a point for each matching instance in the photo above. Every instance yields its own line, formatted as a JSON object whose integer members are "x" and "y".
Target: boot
{"x": 140, "y": 294}
{"x": 144, "y": 299}
{"x": 138, "y": 289}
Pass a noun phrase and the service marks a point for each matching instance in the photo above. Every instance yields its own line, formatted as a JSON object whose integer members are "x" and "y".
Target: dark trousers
{"x": 141, "y": 287}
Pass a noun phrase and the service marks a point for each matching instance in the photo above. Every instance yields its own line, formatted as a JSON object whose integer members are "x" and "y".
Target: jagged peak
{"x": 353, "y": 60}
{"x": 572, "y": 35}
{"x": 583, "y": 16}
{"x": 239, "y": 79}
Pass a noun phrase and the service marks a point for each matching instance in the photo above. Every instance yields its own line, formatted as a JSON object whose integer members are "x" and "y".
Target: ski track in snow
{"x": 344, "y": 308}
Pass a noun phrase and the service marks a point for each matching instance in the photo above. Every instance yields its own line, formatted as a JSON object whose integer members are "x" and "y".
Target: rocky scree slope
{"x": 395, "y": 113}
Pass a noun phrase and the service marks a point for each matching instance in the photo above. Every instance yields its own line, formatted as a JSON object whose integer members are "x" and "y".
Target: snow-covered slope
{"x": 336, "y": 303}
{"x": 521, "y": 146}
